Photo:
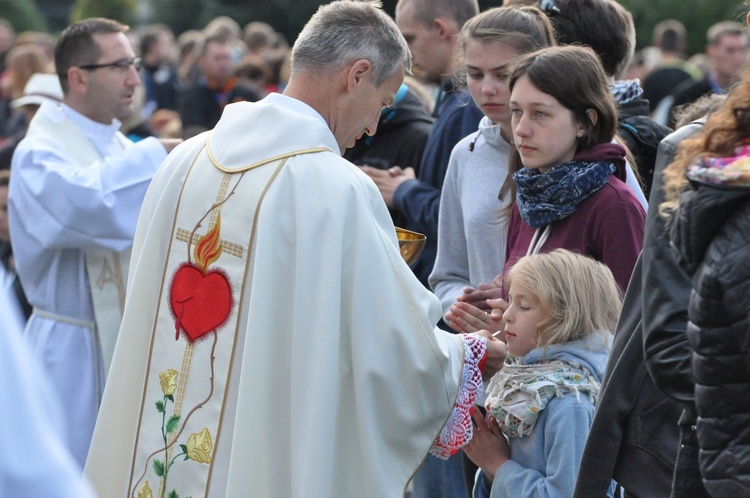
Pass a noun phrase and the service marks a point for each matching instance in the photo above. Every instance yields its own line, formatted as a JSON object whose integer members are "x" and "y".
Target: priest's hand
{"x": 497, "y": 351}
{"x": 389, "y": 180}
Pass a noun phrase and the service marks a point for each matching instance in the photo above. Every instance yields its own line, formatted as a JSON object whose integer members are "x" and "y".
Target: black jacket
{"x": 399, "y": 141}
{"x": 666, "y": 291}
{"x": 200, "y": 109}
{"x": 711, "y": 233}
{"x": 642, "y": 136}
{"x": 634, "y": 435}
{"x": 400, "y": 138}
{"x": 661, "y": 81}
{"x": 688, "y": 92}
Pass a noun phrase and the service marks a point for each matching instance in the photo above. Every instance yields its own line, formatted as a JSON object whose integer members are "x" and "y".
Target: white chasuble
{"x": 274, "y": 342}
{"x": 196, "y": 329}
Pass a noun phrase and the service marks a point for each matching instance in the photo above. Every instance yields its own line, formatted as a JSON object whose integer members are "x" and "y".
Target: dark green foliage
{"x": 119, "y": 10}
{"x": 158, "y": 467}
{"x": 23, "y": 15}
{"x": 696, "y": 15}
{"x": 174, "y": 420}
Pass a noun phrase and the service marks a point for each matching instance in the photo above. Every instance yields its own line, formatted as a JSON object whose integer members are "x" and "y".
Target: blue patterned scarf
{"x": 544, "y": 198}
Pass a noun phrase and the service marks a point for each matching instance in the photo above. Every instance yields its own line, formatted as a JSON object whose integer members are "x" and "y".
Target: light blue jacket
{"x": 545, "y": 463}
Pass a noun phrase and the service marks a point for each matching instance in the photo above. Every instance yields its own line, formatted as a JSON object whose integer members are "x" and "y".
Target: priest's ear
{"x": 78, "y": 80}
{"x": 359, "y": 72}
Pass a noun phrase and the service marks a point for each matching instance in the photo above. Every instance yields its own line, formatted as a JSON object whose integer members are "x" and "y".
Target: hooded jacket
{"x": 399, "y": 141}
{"x": 546, "y": 462}
{"x": 642, "y": 136}
{"x": 711, "y": 234}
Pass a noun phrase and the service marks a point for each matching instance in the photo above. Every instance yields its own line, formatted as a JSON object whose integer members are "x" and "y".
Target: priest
{"x": 274, "y": 343}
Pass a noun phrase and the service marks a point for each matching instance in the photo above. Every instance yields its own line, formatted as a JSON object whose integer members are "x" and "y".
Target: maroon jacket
{"x": 608, "y": 226}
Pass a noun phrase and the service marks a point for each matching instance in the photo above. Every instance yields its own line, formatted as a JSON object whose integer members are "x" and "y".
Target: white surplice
{"x": 58, "y": 209}
{"x": 33, "y": 458}
{"x": 328, "y": 378}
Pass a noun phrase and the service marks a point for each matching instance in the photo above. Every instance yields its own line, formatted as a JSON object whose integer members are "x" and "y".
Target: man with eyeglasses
{"x": 77, "y": 189}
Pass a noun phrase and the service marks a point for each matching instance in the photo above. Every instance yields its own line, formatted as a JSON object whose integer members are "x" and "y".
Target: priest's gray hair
{"x": 345, "y": 31}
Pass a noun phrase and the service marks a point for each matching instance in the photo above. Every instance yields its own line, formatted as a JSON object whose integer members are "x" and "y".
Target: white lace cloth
{"x": 458, "y": 430}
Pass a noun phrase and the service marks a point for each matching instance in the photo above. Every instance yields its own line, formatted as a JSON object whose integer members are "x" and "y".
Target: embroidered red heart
{"x": 200, "y": 303}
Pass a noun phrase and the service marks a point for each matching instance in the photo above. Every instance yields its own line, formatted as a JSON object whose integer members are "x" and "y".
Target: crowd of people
{"x": 202, "y": 291}
{"x": 186, "y": 79}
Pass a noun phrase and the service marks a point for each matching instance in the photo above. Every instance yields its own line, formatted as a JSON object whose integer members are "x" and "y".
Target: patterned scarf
{"x": 518, "y": 393}
{"x": 544, "y": 198}
{"x": 731, "y": 171}
{"x": 625, "y": 91}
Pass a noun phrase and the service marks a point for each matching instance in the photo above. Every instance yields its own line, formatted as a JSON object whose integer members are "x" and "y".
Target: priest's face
{"x": 111, "y": 88}
{"x": 360, "y": 114}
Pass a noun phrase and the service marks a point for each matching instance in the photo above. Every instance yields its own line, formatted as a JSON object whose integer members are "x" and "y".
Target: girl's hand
{"x": 488, "y": 449}
{"x": 465, "y": 317}
{"x": 478, "y": 297}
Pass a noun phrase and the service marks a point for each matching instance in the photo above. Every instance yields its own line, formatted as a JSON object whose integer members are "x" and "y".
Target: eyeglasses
{"x": 122, "y": 65}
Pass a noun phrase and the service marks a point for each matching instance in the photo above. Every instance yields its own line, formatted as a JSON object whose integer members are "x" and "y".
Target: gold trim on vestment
{"x": 147, "y": 376}
{"x": 136, "y": 480}
{"x": 261, "y": 163}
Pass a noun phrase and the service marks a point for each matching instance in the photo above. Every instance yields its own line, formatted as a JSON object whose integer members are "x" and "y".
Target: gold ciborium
{"x": 410, "y": 244}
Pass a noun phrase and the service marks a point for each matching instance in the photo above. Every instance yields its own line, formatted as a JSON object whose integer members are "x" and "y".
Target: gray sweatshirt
{"x": 471, "y": 238}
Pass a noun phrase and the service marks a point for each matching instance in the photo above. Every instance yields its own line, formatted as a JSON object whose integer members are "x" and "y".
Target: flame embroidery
{"x": 208, "y": 249}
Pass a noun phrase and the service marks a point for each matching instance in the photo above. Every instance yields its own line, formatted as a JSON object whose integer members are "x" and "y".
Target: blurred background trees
{"x": 23, "y": 15}
{"x": 696, "y": 15}
{"x": 288, "y": 16}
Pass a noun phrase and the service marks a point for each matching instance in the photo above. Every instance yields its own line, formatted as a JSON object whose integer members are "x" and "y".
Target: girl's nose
{"x": 509, "y": 315}
{"x": 521, "y": 127}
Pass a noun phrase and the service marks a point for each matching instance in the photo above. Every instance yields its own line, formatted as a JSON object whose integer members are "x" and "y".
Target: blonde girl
{"x": 562, "y": 309}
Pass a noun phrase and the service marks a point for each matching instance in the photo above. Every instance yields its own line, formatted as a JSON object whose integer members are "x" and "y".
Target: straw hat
{"x": 39, "y": 88}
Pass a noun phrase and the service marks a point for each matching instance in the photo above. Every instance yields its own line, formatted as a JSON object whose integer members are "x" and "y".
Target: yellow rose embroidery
{"x": 145, "y": 491}
{"x": 168, "y": 381}
{"x": 199, "y": 447}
